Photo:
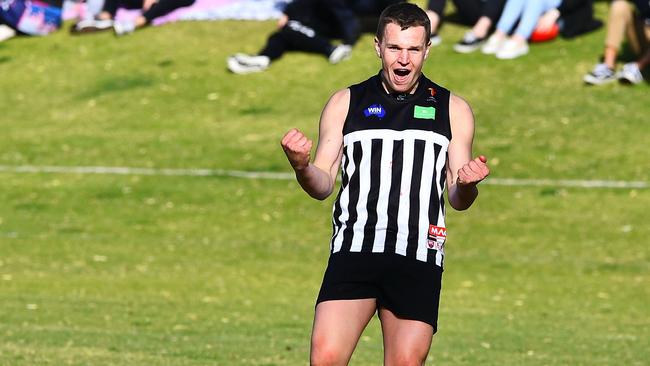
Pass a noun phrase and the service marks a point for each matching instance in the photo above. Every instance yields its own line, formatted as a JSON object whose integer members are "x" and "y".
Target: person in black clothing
{"x": 481, "y": 14}
{"x": 151, "y": 9}
{"x": 29, "y": 18}
{"x": 307, "y": 25}
{"x": 371, "y": 7}
{"x": 310, "y": 26}
{"x": 575, "y": 17}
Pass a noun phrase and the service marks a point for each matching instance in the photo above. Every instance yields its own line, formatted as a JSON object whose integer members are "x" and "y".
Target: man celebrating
{"x": 400, "y": 139}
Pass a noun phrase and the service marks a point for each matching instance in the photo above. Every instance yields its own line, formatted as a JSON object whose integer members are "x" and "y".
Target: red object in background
{"x": 550, "y": 34}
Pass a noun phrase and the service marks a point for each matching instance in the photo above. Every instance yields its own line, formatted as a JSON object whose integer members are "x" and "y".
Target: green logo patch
{"x": 424, "y": 112}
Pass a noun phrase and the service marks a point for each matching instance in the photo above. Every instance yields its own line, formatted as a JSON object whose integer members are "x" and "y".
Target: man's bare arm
{"x": 318, "y": 178}
{"x": 463, "y": 172}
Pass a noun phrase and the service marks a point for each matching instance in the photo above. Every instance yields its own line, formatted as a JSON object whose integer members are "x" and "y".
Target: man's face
{"x": 402, "y": 54}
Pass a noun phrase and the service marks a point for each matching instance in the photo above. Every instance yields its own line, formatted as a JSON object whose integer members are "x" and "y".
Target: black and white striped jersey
{"x": 393, "y": 172}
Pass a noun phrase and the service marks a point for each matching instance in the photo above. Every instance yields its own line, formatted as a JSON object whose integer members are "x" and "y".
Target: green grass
{"x": 137, "y": 270}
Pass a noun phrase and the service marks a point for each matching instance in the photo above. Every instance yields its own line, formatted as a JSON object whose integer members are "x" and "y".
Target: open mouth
{"x": 401, "y": 75}
{"x": 402, "y": 72}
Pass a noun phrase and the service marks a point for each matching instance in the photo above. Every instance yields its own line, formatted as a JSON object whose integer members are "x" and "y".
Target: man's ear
{"x": 377, "y": 47}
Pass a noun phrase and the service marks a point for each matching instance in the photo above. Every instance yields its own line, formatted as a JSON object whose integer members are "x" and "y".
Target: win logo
{"x": 375, "y": 110}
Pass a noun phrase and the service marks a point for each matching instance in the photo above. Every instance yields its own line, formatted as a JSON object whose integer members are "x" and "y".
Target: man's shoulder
{"x": 369, "y": 81}
{"x": 459, "y": 109}
{"x": 431, "y": 83}
{"x": 340, "y": 100}
{"x": 456, "y": 100}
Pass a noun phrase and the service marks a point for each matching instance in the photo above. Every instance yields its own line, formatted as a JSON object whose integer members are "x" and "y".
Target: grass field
{"x": 153, "y": 270}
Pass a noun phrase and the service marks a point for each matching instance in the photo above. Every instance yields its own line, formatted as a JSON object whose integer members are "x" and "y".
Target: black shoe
{"x": 469, "y": 43}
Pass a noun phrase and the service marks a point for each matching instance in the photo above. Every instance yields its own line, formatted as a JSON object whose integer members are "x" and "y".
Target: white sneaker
{"x": 124, "y": 28}
{"x": 6, "y": 32}
{"x": 243, "y": 58}
{"x": 92, "y": 25}
{"x": 601, "y": 74}
{"x": 245, "y": 64}
{"x": 340, "y": 53}
{"x": 493, "y": 44}
{"x": 512, "y": 49}
{"x": 630, "y": 74}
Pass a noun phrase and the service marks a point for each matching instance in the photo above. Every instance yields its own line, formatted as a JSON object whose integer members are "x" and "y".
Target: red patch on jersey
{"x": 437, "y": 237}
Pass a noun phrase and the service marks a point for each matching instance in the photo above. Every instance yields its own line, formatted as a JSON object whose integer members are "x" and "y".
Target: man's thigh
{"x": 406, "y": 342}
{"x": 338, "y": 324}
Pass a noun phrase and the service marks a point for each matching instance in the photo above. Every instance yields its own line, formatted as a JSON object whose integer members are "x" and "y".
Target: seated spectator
{"x": 371, "y": 7}
{"x": 310, "y": 26}
{"x": 481, "y": 14}
{"x": 435, "y": 11}
{"x": 368, "y": 12}
{"x": 623, "y": 19}
{"x": 29, "y": 17}
{"x": 573, "y": 16}
{"x": 151, "y": 9}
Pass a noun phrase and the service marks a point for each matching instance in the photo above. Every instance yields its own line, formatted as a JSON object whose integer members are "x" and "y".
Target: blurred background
{"x": 148, "y": 215}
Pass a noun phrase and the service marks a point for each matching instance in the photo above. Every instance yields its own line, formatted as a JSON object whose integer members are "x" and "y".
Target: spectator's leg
{"x": 163, "y": 7}
{"x": 619, "y": 20}
{"x": 511, "y": 13}
{"x": 482, "y": 27}
{"x": 110, "y": 7}
{"x": 276, "y": 45}
{"x": 635, "y": 32}
{"x": 299, "y": 41}
{"x": 469, "y": 10}
{"x": 644, "y": 61}
{"x": 435, "y": 11}
{"x": 641, "y": 36}
{"x": 492, "y": 9}
{"x": 297, "y": 37}
{"x": 364, "y": 7}
{"x": 93, "y": 8}
{"x": 531, "y": 13}
{"x": 488, "y": 15}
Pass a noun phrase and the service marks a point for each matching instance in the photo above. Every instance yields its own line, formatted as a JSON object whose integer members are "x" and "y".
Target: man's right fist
{"x": 297, "y": 148}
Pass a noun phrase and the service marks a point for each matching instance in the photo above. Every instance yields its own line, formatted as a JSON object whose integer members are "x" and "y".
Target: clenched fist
{"x": 473, "y": 172}
{"x": 297, "y": 147}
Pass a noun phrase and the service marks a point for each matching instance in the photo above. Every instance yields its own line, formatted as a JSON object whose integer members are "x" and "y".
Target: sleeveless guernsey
{"x": 393, "y": 172}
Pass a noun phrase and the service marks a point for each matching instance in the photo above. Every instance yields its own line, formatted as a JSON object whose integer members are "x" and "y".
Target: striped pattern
{"x": 389, "y": 193}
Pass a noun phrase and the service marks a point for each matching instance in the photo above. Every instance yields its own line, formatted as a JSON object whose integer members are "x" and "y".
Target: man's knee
{"x": 323, "y": 358}
{"x": 415, "y": 358}
{"x": 324, "y": 353}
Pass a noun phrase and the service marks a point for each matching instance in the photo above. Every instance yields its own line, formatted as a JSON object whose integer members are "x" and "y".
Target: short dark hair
{"x": 405, "y": 15}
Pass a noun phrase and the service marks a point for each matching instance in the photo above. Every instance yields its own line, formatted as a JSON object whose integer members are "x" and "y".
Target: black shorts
{"x": 405, "y": 286}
